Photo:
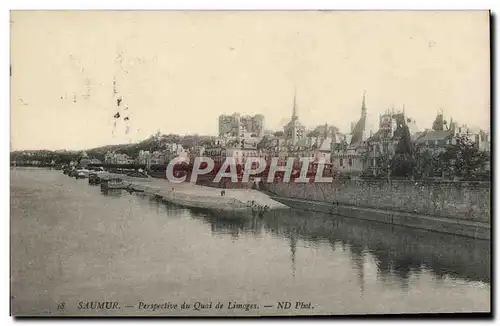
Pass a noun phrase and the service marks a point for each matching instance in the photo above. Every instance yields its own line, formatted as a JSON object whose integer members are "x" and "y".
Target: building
{"x": 117, "y": 158}
{"x": 358, "y": 130}
{"x": 348, "y": 151}
{"x": 229, "y": 125}
{"x": 435, "y": 141}
{"x": 294, "y": 130}
{"x": 157, "y": 158}
{"x": 86, "y": 161}
{"x": 220, "y": 154}
{"x": 479, "y": 137}
{"x": 483, "y": 140}
{"x": 142, "y": 157}
{"x": 444, "y": 134}
{"x": 237, "y": 126}
{"x": 253, "y": 125}
{"x": 381, "y": 146}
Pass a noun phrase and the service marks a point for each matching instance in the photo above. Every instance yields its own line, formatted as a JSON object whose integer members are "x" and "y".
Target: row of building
{"x": 243, "y": 136}
{"x": 147, "y": 158}
{"x": 352, "y": 152}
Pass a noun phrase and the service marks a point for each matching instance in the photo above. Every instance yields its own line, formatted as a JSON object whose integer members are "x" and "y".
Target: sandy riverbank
{"x": 192, "y": 195}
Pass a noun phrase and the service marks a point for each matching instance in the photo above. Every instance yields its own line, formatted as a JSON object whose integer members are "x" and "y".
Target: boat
{"x": 113, "y": 183}
{"x": 96, "y": 169}
{"x": 94, "y": 178}
{"x": 137, "y": 174}
{"x": 82, "y": 174}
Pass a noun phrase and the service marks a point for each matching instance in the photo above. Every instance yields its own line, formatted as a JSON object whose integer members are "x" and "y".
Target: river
{"x": 72, "y": 245}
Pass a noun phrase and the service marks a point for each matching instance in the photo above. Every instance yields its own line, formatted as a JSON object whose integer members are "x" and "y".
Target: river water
{"x": 72, "y": 245}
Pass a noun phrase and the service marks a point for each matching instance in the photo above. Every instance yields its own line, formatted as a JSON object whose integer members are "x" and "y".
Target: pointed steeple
{"x": 294, "y": 112}
{"x": 363, "y": 105}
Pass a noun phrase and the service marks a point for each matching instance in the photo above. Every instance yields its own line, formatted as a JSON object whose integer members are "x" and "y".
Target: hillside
{"x": 157, "y": 142}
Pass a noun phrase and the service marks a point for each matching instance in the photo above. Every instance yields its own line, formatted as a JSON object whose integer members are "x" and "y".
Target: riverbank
{"x": 235, "y": 201}
{"x": 472, "y": 229}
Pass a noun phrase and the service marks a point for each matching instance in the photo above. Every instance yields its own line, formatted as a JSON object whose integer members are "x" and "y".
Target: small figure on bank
{"x": 223, "y": 193}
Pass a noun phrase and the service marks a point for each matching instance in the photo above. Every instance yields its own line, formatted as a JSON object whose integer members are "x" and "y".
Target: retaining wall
{"x": 461, "y": 200}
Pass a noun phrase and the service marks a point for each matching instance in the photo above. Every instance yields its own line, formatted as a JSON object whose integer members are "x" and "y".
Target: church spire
{"x": 363, "y": 105}
{"x": 294, "y": 113}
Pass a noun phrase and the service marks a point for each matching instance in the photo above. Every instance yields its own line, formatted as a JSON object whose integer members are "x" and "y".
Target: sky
{"x": 177, "y": 71}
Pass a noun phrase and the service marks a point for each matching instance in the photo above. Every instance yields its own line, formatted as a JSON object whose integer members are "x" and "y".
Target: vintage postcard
{"x": 250, "y": 163}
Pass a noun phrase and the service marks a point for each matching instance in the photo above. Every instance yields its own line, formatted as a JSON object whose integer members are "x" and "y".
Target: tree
{"x": 382, "y": 163}
{"x": 207, "y": 142}
{"x": 313, "y": 133}
{"x": 402, "y": 165}
{"x": 366, "y": 160}
{"x": 464, "y": 158}
{"x": 403, "y": 162}
{"x": 404, "y": 145}
{"x": 172, "y": 138}
{"x": 424, "y": 162}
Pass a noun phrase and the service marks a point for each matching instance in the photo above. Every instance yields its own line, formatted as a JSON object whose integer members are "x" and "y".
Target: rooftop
{"x": 432, "y": 135}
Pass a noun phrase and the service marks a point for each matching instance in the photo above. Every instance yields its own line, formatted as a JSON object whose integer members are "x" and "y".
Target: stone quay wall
{"x": 461, "y": 200}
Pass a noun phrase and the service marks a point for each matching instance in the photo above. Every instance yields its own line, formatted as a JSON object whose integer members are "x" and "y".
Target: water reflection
{"x": 113, "y": 193}
{"x": 395, "y": 251}
{"x": 70, "y": 243}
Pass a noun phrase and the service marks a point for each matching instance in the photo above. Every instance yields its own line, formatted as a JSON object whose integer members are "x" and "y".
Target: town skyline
{"x": 180, "y": 81}
{"x": 370, "y": 128}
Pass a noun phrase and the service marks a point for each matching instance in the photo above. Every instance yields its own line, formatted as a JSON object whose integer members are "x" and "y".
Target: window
{"x": 341, "y": 162}
{"x": 350, "y": 162}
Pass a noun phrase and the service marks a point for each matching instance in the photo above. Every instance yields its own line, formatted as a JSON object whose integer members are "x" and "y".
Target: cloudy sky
{"x": 178, "y": 71}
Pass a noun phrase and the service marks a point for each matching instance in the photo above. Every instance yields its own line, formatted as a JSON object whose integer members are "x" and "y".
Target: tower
{"x": 358, "y": 129}
{"x": 294, "y": 110}
{"x": 363, "y": 105}
{"x": 294, "y": 130}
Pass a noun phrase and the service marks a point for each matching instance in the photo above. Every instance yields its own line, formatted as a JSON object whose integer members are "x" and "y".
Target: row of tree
{"x": 157, "y": 142}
